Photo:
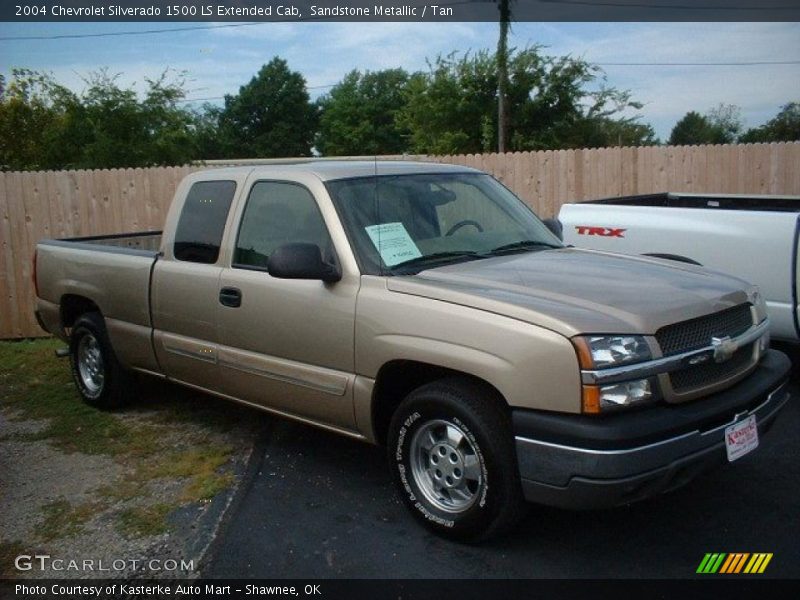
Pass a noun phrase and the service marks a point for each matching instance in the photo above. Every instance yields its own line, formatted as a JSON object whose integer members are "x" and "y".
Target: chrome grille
{"x": 697, "y": 333}
{"x": 711, "y": 373}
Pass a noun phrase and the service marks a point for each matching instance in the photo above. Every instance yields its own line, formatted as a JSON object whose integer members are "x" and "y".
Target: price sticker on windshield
{"x": 393, "y": 243}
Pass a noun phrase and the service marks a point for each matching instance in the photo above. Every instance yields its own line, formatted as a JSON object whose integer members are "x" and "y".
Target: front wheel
{"x": 100, "y": 379}
{"x": 452, "y": 455}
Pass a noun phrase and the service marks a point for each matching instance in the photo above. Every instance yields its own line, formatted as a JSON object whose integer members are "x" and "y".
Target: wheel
{"x": 451, "y": 450}
{"x": 100, "y": 379}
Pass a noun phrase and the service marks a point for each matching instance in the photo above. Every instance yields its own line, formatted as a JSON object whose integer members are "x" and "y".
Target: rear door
{"x": 185, "y": 291}
{"x": 288, "y": 345}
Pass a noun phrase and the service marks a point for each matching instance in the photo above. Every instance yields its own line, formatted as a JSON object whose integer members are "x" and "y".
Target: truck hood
{"x": 575, "y": 291}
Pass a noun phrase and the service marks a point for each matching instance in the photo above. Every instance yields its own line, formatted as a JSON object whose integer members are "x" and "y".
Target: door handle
{"x": 230, "y": 296}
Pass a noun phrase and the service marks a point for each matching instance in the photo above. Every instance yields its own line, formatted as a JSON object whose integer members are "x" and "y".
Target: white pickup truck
{"x": 752, "y": 237}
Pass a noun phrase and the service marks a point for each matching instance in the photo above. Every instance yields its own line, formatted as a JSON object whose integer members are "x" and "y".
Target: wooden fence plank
{"x": 78, "y": 203}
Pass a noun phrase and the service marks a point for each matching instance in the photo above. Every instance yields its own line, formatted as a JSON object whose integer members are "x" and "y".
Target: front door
{"x": 286, "y": 344}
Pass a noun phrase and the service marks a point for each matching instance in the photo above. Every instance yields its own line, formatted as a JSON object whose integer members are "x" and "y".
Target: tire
{"x": 100, "y": 379}
{"x": 451, "y": 451}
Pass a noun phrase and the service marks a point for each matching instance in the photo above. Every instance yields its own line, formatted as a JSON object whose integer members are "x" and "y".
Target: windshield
{"x": 400, "y": 224}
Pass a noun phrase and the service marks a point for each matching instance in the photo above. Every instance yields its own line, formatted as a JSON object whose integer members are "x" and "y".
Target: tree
{"x": 358, "y": 116}
{"x": 726, "y": 119}
{"x": 721, "y": 125}
{"x": 117, "y": 129}
{"x": 452, "y": 108}
{"x": 552, "y": 104}
{"x": 783, "y": 127}
{"x": 32, "y": 113}
{"x": 45, "y": 126}
{"x": 694, "y": 128}
{"x": 271, "y": 116}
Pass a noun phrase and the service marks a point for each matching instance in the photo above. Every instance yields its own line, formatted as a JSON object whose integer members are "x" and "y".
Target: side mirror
{"x": 555, "y": 226}
{"x": 301, "y": 261}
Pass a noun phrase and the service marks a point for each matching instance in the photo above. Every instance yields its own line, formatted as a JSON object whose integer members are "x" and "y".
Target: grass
{"x": 62, "y": 519}
{"x": 35, "y": 385}
{"x": 140, "y": 521}
{"x": 9, "y": 551}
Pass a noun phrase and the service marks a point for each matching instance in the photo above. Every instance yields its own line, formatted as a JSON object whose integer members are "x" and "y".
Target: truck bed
{"x": 708, "y": 201}
{"x": 147, "y": 242}
{"x": 112, "y": 271}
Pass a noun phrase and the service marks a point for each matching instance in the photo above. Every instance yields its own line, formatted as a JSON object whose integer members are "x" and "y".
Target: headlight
{"x": 599, "y": 352}
{"x": 597, "y": 399}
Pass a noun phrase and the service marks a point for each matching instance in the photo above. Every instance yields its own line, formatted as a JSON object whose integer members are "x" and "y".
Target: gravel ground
{"x": 120, "y": 514}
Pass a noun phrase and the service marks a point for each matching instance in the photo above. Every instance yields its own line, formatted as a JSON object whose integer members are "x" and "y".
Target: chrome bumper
{"x": 608, "y": 472}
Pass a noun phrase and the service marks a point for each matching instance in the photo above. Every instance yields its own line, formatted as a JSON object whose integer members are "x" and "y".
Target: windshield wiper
{"x": 521, "y": 245}
{"x": 435, "y": 257}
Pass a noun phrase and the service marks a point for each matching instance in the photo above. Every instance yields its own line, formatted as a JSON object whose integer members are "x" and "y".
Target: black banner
{"x": 416, "y": 589}
{"x": 398, "y": 10}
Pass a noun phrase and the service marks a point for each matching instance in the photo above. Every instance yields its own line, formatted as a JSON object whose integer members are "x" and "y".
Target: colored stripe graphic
{"x": 711, "y": 562}
{"x": 735, "y": 562}
{"x": 723, "y": 563}
{"x": 758, "y": 563}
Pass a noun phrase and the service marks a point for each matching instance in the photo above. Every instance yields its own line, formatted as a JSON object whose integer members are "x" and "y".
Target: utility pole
{"x": 502, "y": 75}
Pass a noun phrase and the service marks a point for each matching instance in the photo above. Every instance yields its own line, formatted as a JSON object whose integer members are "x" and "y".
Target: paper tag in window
{"x": 393, "y": 243}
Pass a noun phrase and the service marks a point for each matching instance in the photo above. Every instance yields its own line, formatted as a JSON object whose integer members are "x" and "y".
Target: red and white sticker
{"x": 741, "y": 438}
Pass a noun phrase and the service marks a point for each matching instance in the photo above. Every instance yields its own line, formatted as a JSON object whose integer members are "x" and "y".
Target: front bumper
{"x": 578, "y": 461}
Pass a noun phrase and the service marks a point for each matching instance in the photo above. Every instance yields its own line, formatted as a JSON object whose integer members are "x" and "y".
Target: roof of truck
{"x": 328, "y": 170}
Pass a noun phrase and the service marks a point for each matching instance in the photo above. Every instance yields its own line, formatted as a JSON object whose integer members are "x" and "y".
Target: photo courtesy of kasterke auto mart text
{"x": 425, "y": 308}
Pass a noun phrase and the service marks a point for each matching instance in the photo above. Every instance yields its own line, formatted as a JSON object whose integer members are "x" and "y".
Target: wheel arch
{"x": 398, "y": 378}
{"x": 73, "y": 306}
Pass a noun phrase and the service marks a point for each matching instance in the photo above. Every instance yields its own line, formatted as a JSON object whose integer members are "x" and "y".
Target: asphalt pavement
{"x": 320, "y": 505}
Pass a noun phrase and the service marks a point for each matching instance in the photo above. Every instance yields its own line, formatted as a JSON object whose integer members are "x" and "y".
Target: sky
{"x": 219, "y": 61}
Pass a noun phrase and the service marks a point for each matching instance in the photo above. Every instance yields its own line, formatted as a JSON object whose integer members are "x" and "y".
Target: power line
{"x": 610, "y": 64}
{"x": 72, "y": 36}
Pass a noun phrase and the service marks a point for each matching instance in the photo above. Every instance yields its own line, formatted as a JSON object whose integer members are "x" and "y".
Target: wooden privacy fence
{"x": 58, "y": 204}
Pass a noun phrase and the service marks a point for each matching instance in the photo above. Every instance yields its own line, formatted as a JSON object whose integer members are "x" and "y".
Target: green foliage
{"x": 271, "y": 116}
{"x": 721, "y": 125}
{"x": 45, "y": 126}
{"x": 358, "y": 116}
{"x": 783, "y": 127}
{"x": 551, "y": 104}
{"x": 694, "y": 129}
{"x": 33, "y": 112}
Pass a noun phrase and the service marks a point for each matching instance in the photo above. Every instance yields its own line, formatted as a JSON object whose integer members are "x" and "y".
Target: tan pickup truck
{"x": 424, "y": 307}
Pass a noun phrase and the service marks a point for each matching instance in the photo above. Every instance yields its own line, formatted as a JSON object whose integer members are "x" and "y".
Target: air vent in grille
{"x": 711, "y": 373}
{"x": 697, "y": 333}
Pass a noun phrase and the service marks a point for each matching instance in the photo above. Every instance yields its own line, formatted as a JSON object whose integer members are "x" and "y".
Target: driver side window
{"x": 278, "y": 213}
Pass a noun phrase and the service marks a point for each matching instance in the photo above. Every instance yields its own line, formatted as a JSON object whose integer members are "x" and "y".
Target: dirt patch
{"x": 136, "y": 492}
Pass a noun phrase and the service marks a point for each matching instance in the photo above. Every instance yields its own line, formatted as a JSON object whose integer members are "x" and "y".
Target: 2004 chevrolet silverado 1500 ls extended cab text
{"x": 425, "y": 307}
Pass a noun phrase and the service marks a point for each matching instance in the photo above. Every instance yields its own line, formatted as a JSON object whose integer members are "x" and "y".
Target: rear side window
{"x": 202, "y": 221}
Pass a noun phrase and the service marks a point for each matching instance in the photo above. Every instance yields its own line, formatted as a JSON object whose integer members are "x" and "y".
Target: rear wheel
{"x": 452, "y": 454}
{"x": 100, "y": 379}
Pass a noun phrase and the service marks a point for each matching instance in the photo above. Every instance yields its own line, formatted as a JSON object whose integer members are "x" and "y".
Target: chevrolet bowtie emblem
{"x": 724, "y": 347}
